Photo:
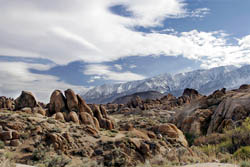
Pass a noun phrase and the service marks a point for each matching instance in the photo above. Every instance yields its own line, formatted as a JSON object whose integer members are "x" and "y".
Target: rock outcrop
{"x": 171, "y": 131}
{"x": 7, "y": 103}
{"x": 72, "y": 101}
{"x": 57, "y": 102}
{"x": 26, "y": 99}
{"x": 195, "y": 122}
{"x": 222, "y": 109}
{"x": 228, "y": 113}
{"x": 75, "y": 109}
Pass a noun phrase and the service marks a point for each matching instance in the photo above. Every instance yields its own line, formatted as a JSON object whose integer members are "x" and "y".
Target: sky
{"x": 60, "y": 44}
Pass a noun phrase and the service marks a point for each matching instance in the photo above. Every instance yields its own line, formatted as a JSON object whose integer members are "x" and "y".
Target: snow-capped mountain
{"x": 205, "y": 81}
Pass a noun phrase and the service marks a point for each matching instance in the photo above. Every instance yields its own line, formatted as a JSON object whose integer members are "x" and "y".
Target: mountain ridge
{"x": 204, "y": 80}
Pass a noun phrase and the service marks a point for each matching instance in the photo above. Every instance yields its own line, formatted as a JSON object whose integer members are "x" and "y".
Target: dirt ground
{"x": 211, "y": 165}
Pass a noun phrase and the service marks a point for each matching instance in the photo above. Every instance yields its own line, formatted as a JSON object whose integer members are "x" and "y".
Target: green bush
{"x": 58, "y": 161}
{"x": 225, "y": 146}
{"x": 242, "y": 153}
{"x": 2, "y": 145}
{"x": 38, "y": 155}
{"x": 239, "y": 136}
{"x": 190, "y": 138}
{"x": 245, "y": 164}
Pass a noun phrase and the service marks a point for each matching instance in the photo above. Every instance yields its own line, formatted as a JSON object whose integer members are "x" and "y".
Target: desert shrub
{"x": 214, "y": 138}
{"x": 245, "y": 164}
{"x": 225, "y": 147}
{"x": 58, "y": 161}
{"x": 242, "y": 153}
{"x": 190, "y": 138}
{"x": 114, "y": 131}
{"x": 239, "y": 136}
{"x": 41, "y": 157}
{"x": 38, "y": 154}
{"x": 25, "y": 136}
{"x": 110, "y": 134}
{"x": 51, "y": 121}
{"x": 2, "y": 145}
{"x": 234, "y": 141}
{"x": 209, "y": 150}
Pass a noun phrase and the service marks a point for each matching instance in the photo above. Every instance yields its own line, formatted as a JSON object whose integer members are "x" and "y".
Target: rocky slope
{"x": 205, "y": 81}
{"x": 70, "y": 132}
{"x": 143, "y": 95}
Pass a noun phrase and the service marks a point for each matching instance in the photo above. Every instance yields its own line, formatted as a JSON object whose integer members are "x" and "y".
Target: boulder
{"x": 192, "y": 93}
{"x": 103, "y": 111}
{"x": 39, "y": 110}
{"x": 169, "y": 97}
{"x": 72, "y": 101}
{"x": 57, "y": 102}
{"x": 228, "y": 112}
{"x": 59, "y": 116}
{"x": 83, "y": 107}
{"x": 73, "y": 117}
{"x": 244, "y": 86}
{"x": 87, "y": 119}
{"x": 15, "y": 135}
{"x": 7, "y": 103}
{"x": 194, "y": 122}
{"x": 135, "y": 102}
{"x": 97, "y": 125}
{"x": 26, "y": 99}
{"x": 97, "y": 112}
{"x": 27, "y": 110}
{"x": 171, "y": 131}
{"x": 145, "y": 149}
{"x": 6, "y": 135}
{"x": 15, "y": 143}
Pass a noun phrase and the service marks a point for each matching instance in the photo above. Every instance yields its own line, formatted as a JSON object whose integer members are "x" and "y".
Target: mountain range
{"x": 203, "y": 80}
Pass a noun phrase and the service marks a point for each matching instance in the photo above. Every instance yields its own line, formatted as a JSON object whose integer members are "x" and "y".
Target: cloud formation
{"x": 63, "y": 31}
{"x": 15, "y": 77}
{"x": 105, "y": 72}
{"x": 66, "y": 31}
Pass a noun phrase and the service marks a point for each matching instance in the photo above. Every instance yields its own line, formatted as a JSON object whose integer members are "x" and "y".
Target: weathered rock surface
{"x": 57, "y": 102}
{"x": 7, "y": 103}
{"x": 83, "y": 107}
{"x": 194, "y": 122}
{"x": 229, "y": 112}
{"x": 73, "y": 117}
{"x": 72, "y": 101}
{"x": 171, "y": 131}
{"x": 26, "y": 99}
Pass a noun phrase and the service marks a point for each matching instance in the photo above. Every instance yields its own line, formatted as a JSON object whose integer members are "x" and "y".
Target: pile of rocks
{"x": 7, "y": 103}
{"x": 167, "y": 102}
{"x": 72, "y": 107}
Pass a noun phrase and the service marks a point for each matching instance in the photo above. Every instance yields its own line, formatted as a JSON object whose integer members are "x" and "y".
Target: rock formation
{"x": 7, "y": 103}
{"x": 57, "y": 102}
{"x": 75, "y": 109}
{"x": 26, "y": 99}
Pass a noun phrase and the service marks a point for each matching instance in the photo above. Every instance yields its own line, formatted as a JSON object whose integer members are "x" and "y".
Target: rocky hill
{"x": 155, "y": 132}
{"x": 143, "y": 95}
{"x": 205, "y": 81}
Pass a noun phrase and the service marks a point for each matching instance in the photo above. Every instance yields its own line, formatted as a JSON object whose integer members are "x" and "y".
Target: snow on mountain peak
{"x": 203, "y": 80}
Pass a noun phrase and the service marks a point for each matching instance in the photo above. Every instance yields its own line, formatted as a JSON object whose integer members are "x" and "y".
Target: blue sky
{"x": 82, "y": 44}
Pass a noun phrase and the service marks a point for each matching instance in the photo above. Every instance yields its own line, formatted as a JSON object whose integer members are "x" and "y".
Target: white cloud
{"x": 16, "y": 77}
{"x": 65, "y": 31}
{"x": 200, "y": 12}
{"x": 118, "y": 66}
{"x": 105, "y": 72}
{"x": 150, "y": 13}
{"x": 132, "y": 66}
